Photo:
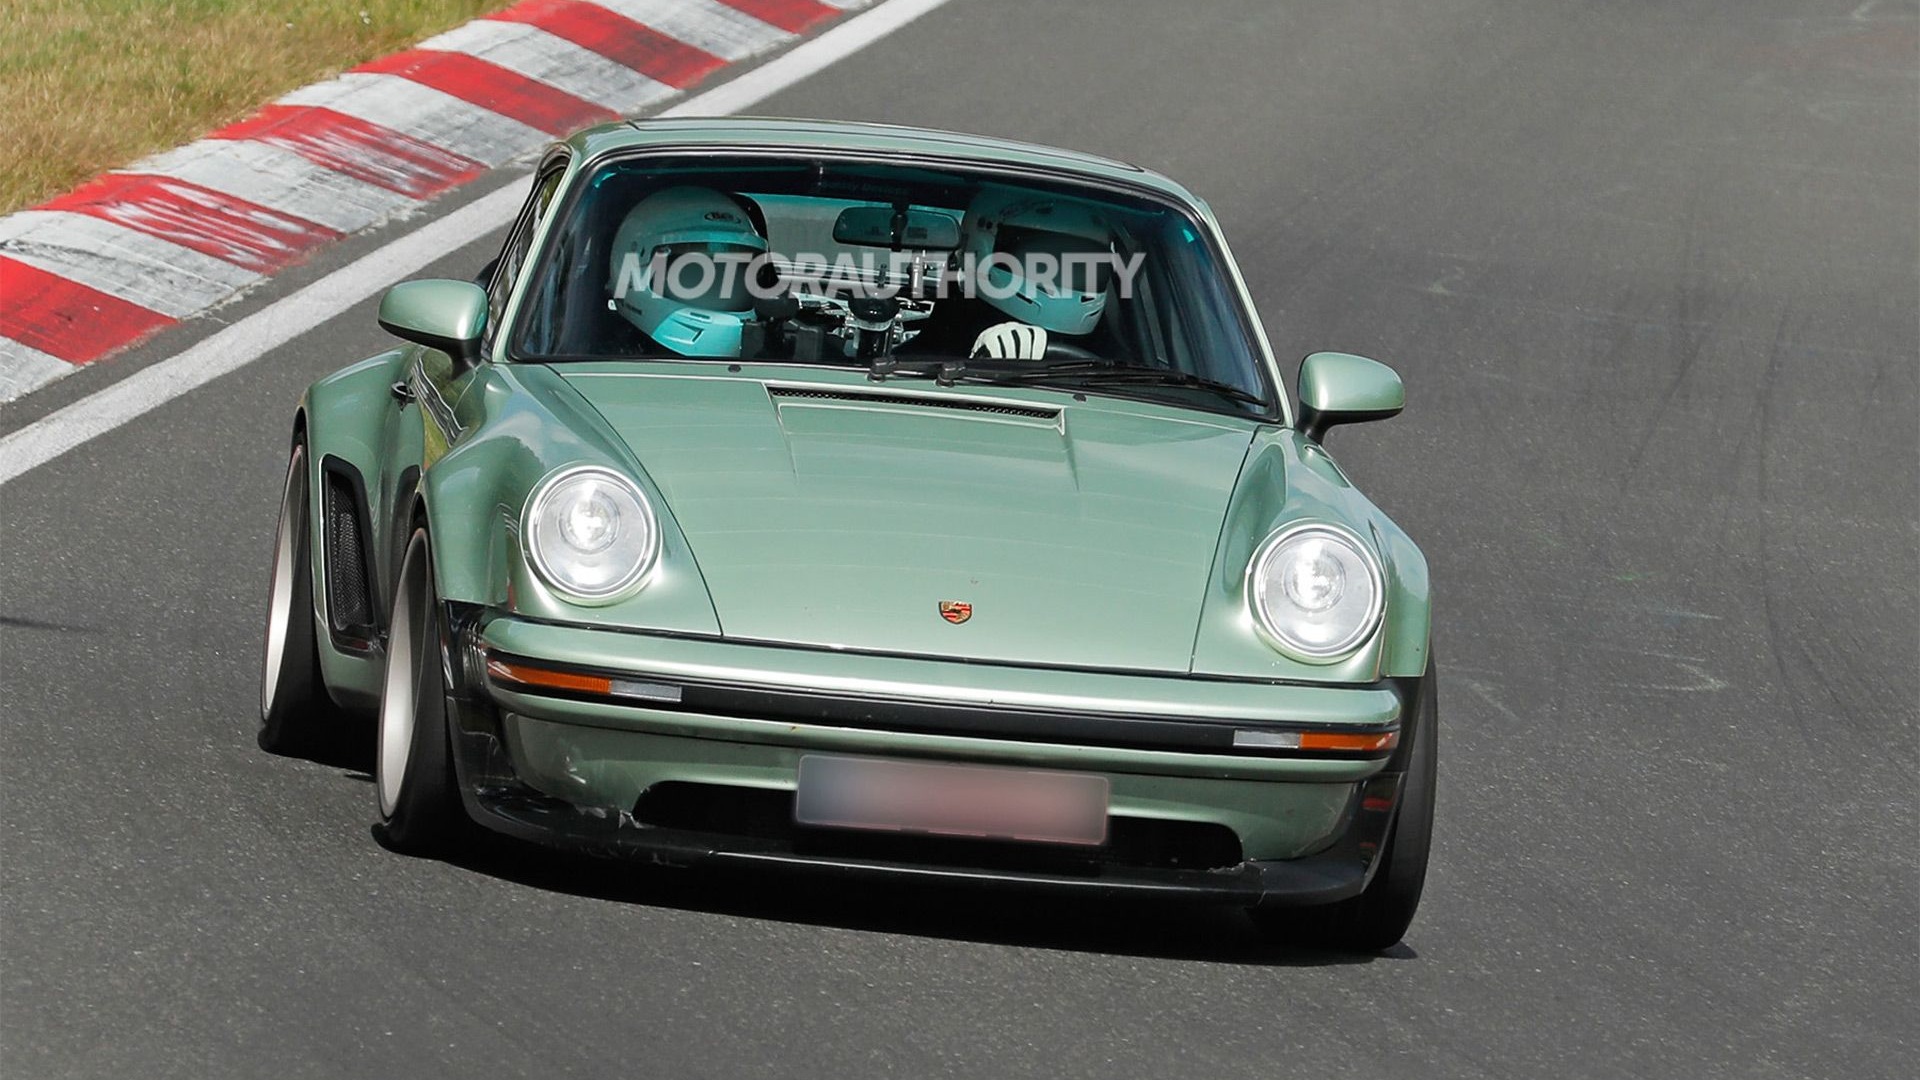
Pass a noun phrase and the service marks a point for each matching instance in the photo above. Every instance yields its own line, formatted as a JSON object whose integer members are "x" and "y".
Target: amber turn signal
{"x": 525, "y": 675}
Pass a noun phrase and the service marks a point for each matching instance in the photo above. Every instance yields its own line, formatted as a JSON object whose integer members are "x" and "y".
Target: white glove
{"x": 1011, "y": 341}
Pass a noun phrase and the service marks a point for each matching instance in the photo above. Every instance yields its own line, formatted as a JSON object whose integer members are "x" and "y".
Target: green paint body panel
{"x": 1083, "y": 538}
{"x": 335, "y": 414}
{"x": 1104, "y": 545}
{"x": 1288, "y": 478}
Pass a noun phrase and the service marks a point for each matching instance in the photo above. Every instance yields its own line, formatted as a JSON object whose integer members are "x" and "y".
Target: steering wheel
{"x": 1065, "y": 350}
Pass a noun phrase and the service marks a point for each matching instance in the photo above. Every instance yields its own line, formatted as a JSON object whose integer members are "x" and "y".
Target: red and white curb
{"x": 169, "y": 237}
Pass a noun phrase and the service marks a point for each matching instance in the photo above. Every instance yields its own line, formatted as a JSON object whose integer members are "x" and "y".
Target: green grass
{"x": 90, "y": 85}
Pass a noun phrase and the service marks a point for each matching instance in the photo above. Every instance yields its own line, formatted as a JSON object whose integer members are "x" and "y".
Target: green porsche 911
{"x": 877, "y": 501}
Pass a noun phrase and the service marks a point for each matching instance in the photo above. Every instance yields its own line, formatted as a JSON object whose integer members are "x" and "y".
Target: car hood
{"x": 1077, "y": 533}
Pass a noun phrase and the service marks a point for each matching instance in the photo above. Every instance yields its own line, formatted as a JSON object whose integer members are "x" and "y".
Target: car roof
{"x": 754, "y": 132}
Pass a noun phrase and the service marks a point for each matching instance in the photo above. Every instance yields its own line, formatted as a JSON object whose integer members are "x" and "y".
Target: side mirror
{"x": 1340, "y": 388}
{"x": 440, "y": 314}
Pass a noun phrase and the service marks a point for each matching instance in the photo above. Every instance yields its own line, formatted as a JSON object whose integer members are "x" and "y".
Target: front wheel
{"x": 420, "y": 810}
{"x": 1378, "y": 918}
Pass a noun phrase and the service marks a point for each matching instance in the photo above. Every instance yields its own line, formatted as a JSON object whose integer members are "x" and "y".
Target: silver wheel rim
{"x": 286, "y": 544}
{"x": 399, "y": 692}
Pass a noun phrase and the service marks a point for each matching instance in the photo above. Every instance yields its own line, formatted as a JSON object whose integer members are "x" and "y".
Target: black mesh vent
{"x": 956, "y": 404}
{"x": 768, "y": 816}
{"x": 348, "y": 605}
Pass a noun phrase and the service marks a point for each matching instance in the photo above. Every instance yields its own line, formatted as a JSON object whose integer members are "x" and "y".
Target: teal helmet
{"x": 679, "y": 269}
{"x": 1012, "y": 233}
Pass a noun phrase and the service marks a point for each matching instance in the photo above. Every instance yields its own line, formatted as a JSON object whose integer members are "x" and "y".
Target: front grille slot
{"x": 997, "y": 408}
{"x": 349, "y": 604}
{"x": 767, "y": 816}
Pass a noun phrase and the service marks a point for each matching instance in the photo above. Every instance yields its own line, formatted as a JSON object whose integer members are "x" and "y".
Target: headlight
{"x": 1317, "y": 590}
{"x": 590, "y": 533}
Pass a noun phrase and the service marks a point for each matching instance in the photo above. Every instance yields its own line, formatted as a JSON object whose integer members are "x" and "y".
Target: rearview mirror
{"x": 1341, "y": 388}
{"x": 919, "y": 230}
{"x": 440, "y": 314}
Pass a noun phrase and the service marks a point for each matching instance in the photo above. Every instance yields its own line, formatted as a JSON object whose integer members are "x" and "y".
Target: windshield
{"x": 826, "y": 261}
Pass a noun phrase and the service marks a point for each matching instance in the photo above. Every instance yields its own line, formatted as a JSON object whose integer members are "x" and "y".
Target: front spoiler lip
{"x": 924, "y": 715}
{"x": 1335, "y": 874}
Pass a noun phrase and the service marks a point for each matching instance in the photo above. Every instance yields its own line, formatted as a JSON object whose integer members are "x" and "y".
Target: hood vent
{"x": 959, "y": 404}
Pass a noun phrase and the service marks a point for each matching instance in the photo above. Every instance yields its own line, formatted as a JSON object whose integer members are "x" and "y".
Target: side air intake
{"x": 349, "y": 601}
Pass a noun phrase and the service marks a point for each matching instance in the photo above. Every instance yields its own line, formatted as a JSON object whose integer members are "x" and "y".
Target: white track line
{"x": 305, "y": 309}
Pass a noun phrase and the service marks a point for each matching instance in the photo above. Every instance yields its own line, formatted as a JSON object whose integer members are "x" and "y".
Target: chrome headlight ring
{"x": 590, "y": 534}
{"x": 1316, "y": 591}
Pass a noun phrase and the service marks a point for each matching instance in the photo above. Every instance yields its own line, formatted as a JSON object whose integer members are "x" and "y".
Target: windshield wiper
{"x": 1095, "y": 373}
{"x": 948, "y": 370}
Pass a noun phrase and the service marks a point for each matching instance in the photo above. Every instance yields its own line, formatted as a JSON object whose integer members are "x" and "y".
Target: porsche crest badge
{"x": 956, "y": 611}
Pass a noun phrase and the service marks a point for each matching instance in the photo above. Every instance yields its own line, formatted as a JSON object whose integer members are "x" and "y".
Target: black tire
{"x": 1378, "y": 918}
{"x": 414, "y": 783}
{"x": 296, "y": 716}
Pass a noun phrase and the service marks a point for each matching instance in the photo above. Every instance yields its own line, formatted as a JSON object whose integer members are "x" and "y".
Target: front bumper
{"x": 693, "y": 756}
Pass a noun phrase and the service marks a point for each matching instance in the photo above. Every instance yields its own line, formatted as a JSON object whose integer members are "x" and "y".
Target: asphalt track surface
{"x": 1649, "y": 270}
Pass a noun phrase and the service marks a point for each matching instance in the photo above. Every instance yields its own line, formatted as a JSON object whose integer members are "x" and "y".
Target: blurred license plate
{"x": 951, "y": 800}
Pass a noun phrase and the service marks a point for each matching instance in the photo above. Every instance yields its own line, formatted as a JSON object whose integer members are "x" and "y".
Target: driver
{"x": 679, "y": 269}
{"x": 1042, "y": 259}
